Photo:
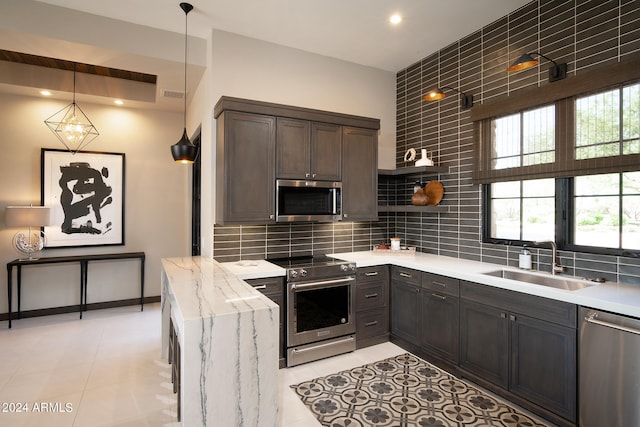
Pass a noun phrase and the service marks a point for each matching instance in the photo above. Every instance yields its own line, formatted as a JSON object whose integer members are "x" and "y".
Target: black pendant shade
{"x": 184, "y": 151}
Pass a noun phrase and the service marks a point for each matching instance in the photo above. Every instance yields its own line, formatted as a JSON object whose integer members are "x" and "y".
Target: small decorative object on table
{"x": 385, "y": 249}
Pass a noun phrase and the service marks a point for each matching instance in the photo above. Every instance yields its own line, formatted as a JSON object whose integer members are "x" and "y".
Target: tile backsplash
{"x": 232, "y": 243}
{"x": 583, "y": 33}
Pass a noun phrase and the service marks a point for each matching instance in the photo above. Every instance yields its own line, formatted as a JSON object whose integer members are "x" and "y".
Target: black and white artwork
{"x": 85, "y": 192}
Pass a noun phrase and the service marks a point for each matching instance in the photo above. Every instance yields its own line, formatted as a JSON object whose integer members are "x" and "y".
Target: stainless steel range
{"x": 320, "y": 307}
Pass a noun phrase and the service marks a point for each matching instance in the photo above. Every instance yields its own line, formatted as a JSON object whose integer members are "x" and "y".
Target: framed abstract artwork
{"x": 85, "y": 192}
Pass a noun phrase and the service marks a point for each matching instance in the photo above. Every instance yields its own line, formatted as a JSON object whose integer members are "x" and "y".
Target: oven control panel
{"x": 317, "y": 272}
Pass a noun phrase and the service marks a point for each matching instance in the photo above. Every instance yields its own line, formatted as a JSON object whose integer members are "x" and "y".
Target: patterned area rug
{"x": 403, "y": 391}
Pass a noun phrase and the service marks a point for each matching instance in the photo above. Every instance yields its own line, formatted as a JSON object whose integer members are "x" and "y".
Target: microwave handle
{"x": 335, "y": 201}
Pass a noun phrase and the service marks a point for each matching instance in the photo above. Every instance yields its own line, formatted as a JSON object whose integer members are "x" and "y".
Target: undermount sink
{"x": 541, "y": 279}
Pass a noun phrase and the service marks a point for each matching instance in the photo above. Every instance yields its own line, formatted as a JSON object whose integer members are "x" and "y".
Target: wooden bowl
{"x": 434, "y": 191}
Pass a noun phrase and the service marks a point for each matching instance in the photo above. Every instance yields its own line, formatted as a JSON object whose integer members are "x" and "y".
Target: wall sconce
{"x": 466, "y": 101}
{"x": 28, "y": 216}
{"x": 556, "y": 72}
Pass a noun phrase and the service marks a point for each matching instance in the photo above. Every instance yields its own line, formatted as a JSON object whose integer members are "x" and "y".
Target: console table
{"x": 84, "y": 265}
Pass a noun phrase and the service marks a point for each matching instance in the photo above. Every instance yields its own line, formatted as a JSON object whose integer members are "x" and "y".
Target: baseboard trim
{"x": 76, "y": 308}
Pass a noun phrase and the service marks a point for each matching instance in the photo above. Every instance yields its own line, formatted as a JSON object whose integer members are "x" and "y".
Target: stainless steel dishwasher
{"x": 609, "y": 369}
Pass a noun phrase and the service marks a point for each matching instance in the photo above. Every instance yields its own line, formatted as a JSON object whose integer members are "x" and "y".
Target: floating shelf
{"x": 412, "y": 208}
{"x": 414, "y": 170}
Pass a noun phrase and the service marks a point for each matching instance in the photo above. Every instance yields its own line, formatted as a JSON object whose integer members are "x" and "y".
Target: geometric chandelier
{"x": 72, "y": 126}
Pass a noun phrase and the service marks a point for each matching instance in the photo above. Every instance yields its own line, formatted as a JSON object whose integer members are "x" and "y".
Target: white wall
{"x": 156, "y": 208}
{"x": 243, "y": 67}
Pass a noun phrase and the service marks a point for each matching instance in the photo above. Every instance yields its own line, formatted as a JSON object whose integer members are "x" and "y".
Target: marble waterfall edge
{"x": 228, "y": 334}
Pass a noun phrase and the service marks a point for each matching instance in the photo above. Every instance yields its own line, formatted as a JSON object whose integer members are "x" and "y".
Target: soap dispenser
{"x": 525, "y": 259}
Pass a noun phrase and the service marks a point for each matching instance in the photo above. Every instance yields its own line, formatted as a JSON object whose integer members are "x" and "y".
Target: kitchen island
{"x": 227, "y": 335}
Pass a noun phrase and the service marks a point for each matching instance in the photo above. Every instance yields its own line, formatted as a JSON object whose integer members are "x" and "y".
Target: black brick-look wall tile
{"x": 583, "y": 33}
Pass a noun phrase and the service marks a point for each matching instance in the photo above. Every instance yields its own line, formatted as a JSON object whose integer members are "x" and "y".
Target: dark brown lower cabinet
{"x": 523, "y": 344}
{"x": 372, "y": 305}
{"x": 406, "y": 304}
{"x": 273, "y": 288}
{"x": 440, "y": 325}
{"x": 441, "y": 317}
{"x": 543, "y": 364}
{"x": 484, "y": 342}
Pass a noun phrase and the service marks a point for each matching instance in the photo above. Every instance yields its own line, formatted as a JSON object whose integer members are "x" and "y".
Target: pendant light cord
{"x": 74, "y": 84}
{"x": 186, "y": 19}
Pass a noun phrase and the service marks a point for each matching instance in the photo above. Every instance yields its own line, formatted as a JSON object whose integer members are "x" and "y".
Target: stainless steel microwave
{"x": 298, "y": 200}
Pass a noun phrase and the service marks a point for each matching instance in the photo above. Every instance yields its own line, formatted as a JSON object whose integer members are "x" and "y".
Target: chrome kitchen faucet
{"x": 556, "y": 267}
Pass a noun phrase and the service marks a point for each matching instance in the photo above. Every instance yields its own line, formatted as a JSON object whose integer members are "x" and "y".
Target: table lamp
{"x": 28, "y": 216}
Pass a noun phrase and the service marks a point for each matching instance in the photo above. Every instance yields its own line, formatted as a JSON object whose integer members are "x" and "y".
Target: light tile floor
{"x": 106, "y": 370}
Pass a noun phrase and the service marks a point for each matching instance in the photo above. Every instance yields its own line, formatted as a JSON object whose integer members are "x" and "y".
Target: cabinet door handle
{"x": 373, "y": 273}
{"x": 512, "y": 317}
{"x": 503, "y": 315}
{"x": 444, "y": 285}
{"x": 371, "y": 295}
{"x": 405, "y": 275}
{"x": 260, "y": 287}
{"x": 270, "y": 216}
{"x": 307, "y": 175}
{"x": 442, "y": 297}
{"x": 375, "y": 322}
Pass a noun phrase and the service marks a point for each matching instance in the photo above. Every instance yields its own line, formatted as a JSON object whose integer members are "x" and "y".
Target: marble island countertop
{"x": 227, "y": 335}
{"x": 614, "y": 297}
{"x": 205, "y": 289}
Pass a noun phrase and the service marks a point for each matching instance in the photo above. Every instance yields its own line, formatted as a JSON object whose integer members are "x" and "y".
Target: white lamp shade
{"x": 27, "y": 216}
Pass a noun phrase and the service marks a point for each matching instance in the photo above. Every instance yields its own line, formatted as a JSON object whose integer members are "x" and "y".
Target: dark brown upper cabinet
{"x": 307, "y": 150}
{"x": 359, "y": 174}
{"x": 245, "y": 164}
{"x": 258, "y": 142}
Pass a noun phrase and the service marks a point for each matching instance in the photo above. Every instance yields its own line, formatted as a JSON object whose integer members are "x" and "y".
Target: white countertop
{"x": 204, "y": 289}
{"x": 614, "y": 297}
{"x": 253, "y": 269}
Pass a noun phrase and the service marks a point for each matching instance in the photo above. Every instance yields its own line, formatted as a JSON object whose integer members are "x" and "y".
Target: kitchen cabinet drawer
{"x": 272, "y": 287}
{"x": 562, "y": 313}
{"x": 372, "y": 323}
{"x": 441, "y": 284}
{"x": 376, "y": 273}
{"x": 371, "y": 295}
{"x": 406, "y": 275}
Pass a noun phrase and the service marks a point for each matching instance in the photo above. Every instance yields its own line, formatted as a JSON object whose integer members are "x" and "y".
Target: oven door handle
{"x": 320, "y": 284}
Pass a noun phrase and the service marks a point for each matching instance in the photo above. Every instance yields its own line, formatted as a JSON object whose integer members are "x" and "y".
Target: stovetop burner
{"x": 305, "y": 261}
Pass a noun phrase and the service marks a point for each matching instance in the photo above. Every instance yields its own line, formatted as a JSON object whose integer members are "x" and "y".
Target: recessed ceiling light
{"x": 118, "y": 102}
{"x": 395, "y": 19}
{"x": 45, "y": 93}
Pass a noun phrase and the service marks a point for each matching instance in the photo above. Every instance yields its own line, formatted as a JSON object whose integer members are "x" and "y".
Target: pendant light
{"x": 71, "y": 125}
{"x": 184, "y": 151}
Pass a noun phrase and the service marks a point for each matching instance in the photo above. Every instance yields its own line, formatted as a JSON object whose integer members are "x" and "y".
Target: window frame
{"x": 563, "y": 94}
{"x": 564, "y": 222}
